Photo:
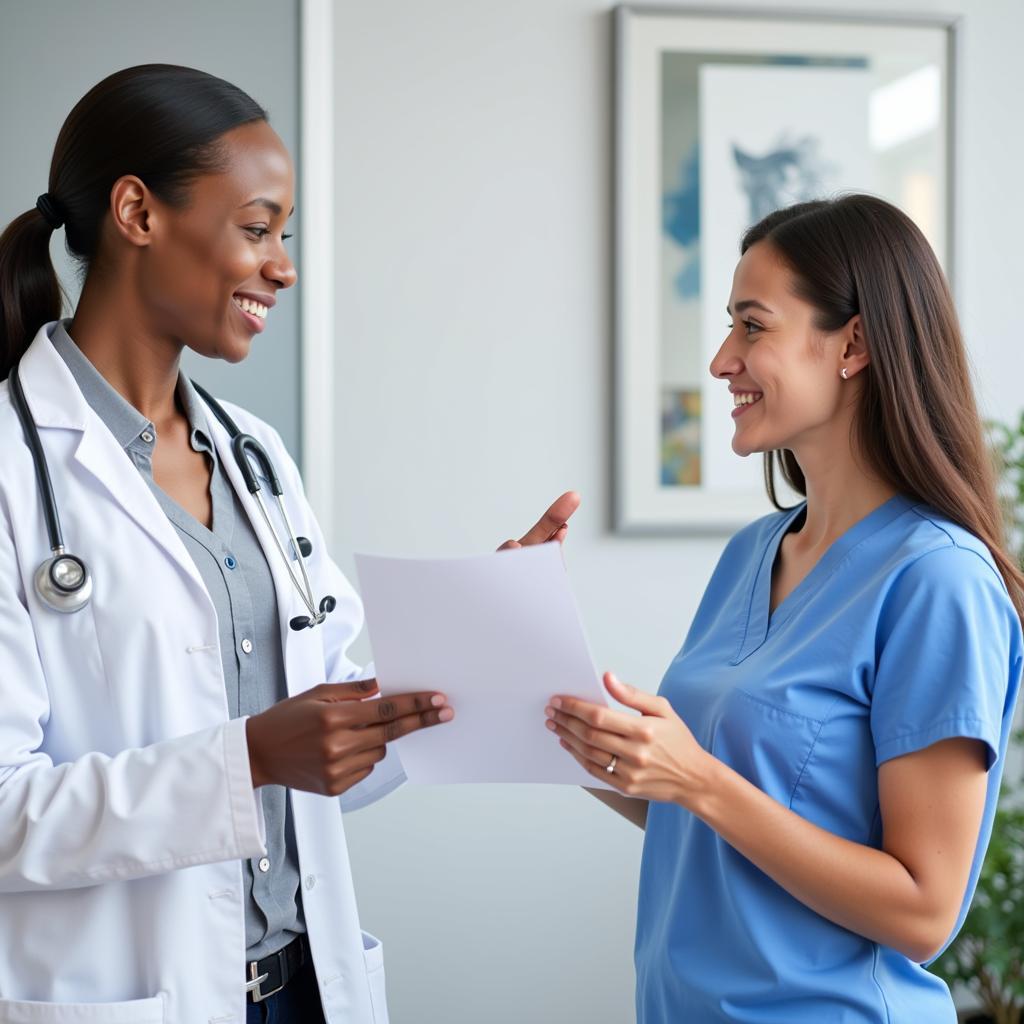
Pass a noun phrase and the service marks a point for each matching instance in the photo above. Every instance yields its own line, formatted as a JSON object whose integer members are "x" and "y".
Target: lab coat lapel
{"x": 57, "y": 404}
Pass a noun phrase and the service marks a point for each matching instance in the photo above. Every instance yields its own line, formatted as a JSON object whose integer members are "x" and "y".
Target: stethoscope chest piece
{"x": 64, "y": 583}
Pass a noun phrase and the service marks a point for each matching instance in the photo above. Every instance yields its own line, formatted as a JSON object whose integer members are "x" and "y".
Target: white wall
{"x": 473, "y": 385}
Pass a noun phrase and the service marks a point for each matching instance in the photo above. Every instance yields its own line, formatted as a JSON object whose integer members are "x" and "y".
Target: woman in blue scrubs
{"x": 818, "y": 775}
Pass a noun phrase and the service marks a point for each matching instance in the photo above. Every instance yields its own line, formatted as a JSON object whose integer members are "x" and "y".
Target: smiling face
{"x": 214, "y": 266}
{"x": 782, "y": 369}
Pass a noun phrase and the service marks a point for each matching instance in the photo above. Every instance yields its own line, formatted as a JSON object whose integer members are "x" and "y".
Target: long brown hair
{"x": 918, "y": 421}
{"x": 161, "y": 122}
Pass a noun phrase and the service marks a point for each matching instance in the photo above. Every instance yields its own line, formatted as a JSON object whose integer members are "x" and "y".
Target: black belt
{"x": 273, "y": 972}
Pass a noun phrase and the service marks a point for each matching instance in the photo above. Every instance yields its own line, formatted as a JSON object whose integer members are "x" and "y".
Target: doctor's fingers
{"x": 349, "y": 714}
{"x": 359, "y": 690}
{"x": 395, "y": 728}
{"x": 343, "y": 774}
{"x": 552, "y": 525}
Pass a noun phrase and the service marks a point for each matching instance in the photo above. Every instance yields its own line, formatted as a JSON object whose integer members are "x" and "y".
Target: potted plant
{"x": 988, "y": 954}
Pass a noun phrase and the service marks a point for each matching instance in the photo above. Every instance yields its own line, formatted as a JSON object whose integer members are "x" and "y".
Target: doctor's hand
{"x": 657, "y": 757}
{"x": 330, "y": 737}
{"x": 553, "y": 525}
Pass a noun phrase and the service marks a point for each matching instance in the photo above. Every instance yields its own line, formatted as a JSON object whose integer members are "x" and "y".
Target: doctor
{"x": 178, "y": 706}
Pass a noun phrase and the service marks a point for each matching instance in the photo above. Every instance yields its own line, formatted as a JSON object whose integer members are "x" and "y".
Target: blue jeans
{"x": 297, "y": 1003}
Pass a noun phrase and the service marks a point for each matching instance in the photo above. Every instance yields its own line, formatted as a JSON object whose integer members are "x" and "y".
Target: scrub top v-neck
{"x": 902, "y": 634}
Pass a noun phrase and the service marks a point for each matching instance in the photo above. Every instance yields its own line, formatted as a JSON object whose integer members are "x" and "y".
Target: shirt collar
{"x": 199, "y": 430}
{"x": 121, "y": 418}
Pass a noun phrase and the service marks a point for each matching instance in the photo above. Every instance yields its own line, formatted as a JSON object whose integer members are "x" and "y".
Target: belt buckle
{"x": 253, "y": 986}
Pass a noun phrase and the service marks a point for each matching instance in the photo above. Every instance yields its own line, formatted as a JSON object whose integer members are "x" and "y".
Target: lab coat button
{"x": 310, "y": 881}
{"x": 247, "y": 645}
{"x": 264, "y": 864}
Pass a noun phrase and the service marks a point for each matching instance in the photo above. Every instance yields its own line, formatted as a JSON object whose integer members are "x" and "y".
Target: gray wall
{"x": 53, "y": 51}
{"x": 473, "y": 384}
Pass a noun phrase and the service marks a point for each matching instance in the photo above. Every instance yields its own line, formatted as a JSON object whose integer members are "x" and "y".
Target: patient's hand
{"x": 553, "y": 525}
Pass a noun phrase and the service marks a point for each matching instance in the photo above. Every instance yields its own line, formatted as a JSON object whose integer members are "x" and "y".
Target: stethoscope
{"x": 64, "y": 582}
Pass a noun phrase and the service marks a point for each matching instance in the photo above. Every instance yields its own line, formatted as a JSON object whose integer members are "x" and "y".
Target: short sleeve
{"x": 947, "y": 656}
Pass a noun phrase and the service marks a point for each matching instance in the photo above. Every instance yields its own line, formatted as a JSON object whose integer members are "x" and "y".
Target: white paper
{"x": 499, "y": 634}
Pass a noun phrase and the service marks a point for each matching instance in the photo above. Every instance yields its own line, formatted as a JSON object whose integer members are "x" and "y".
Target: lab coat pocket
{"x": 134, "y": 1011}
{"x": 373, "y": 954}
{"x": 768, "y": 745}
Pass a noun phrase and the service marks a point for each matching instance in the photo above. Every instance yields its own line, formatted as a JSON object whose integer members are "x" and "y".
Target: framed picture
{"x": 721, "y": 117}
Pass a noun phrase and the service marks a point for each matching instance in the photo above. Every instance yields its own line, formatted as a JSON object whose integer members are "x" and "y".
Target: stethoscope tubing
{"x": 28, "y": 425}
{"x": 243, "y": 446}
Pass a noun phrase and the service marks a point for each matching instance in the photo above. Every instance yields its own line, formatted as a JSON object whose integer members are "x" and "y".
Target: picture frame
{"x": 722, "y": 115}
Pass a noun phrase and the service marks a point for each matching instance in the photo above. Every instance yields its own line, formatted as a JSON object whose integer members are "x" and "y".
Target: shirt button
{"x": 230, "y": 562}
{"x": 247, "y": 645}
{"x": 264, "y": 864}
{"x": 310, "y": 881}
{"x": 147, "y": 437}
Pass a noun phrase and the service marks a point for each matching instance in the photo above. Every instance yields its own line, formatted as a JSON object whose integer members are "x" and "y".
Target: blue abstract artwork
{"x": 681, "y": 222}
{"x": 790, "y": 172}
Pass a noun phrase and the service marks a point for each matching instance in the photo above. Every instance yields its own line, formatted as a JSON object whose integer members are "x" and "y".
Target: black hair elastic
{"x": 48, "y": 206}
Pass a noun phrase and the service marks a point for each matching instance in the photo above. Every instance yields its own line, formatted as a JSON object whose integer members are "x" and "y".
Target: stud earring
{"x": 842, "y": 373}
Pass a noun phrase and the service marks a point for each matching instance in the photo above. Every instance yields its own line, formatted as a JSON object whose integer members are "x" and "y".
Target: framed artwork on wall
{"x": 722, "y": 116}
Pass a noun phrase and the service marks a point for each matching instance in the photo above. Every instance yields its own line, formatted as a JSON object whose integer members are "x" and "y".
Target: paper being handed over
{"x": 500, "y": 635}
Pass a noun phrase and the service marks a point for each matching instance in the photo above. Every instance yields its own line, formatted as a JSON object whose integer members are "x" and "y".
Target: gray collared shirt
{"x": 234, "y": 569}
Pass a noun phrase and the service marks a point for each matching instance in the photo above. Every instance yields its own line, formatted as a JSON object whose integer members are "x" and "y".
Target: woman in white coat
{"x": 169, "y": 847}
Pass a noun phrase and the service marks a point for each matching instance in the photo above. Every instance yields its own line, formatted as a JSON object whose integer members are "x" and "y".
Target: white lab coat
{"x": 126, "y": 801}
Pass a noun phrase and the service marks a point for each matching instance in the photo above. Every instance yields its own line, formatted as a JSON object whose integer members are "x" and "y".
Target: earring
{"x": 842, "y": 373}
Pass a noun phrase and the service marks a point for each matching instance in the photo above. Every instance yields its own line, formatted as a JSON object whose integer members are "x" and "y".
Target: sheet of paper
{"x": 500, "y": 634}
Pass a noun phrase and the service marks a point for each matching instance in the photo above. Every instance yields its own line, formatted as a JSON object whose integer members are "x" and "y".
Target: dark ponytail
{"x": 160, "y": 122}
{"x": 30, "y": 294}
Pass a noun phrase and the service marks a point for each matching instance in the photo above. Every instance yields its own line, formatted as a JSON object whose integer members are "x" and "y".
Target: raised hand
{"x": 329, "y": 738}
{"x": 553, "y": 525}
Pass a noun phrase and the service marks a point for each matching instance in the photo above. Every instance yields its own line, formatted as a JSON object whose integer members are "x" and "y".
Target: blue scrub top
{"x": 903, "y": 634}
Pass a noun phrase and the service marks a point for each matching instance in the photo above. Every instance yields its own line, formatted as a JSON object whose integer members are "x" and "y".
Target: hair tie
{"x": 48, "y": 206}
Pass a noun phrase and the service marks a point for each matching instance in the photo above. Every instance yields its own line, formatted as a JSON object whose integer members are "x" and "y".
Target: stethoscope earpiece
{"x": 327, "y": 605}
